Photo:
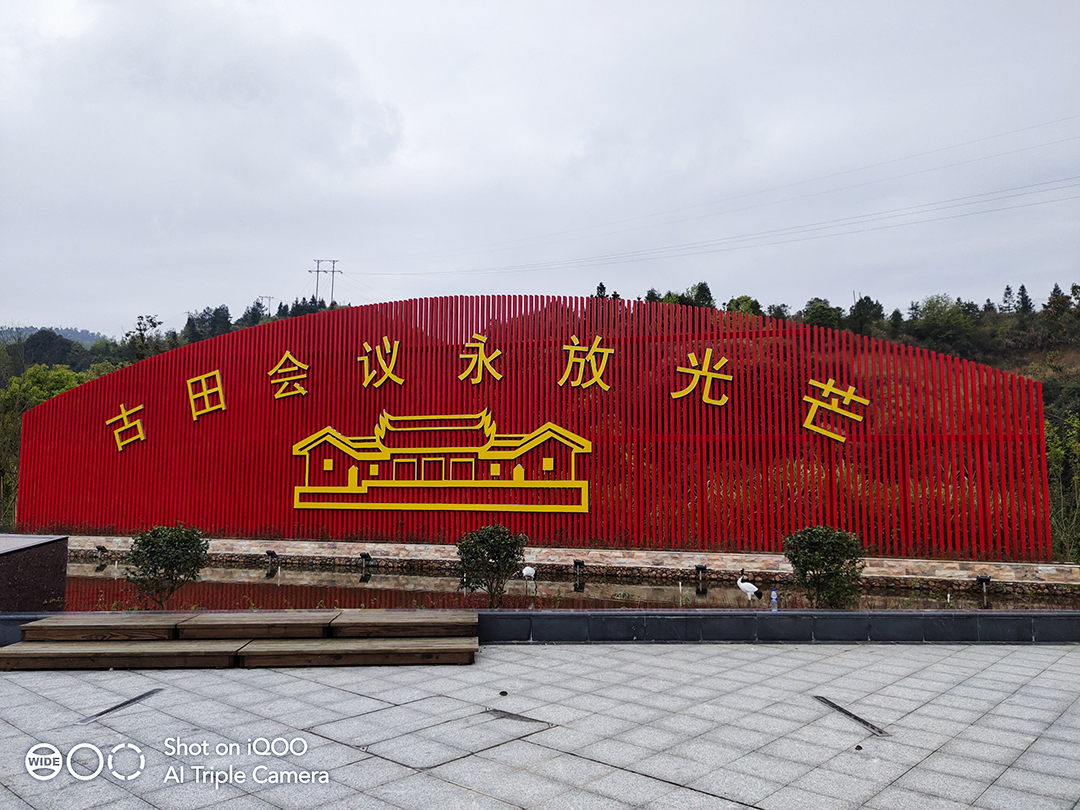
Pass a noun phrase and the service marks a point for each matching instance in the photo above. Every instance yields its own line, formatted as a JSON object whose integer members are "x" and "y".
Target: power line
{"x": 525, "y": 241}
{"x": 754, "y": 239}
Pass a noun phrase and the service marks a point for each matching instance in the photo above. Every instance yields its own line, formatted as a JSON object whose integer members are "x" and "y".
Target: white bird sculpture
{"x": 749, "y": 588}
{"x": 528, "y": 572}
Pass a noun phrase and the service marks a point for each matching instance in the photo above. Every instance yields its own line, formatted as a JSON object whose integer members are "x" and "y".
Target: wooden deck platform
{"x": 306, "y": 638}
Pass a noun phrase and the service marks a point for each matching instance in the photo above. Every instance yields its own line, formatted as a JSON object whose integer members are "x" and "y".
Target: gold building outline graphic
{"x": 451, "y": 462}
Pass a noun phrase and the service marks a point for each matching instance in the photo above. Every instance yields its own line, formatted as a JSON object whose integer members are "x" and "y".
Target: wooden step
{"x": 104, "y": 626}
{"x": 207, "y": 654}
{"x": 290, "y": 624}
{"x": 403, "y": 623}
{"x": 358, "y": 652}
{"x": 301, "y": 638}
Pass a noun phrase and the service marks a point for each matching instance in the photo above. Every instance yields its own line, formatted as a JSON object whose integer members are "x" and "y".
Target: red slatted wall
{"x": 949, "y": 459}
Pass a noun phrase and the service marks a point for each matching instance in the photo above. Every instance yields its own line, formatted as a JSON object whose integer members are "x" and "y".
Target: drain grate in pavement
{"x": 117, "y": 707}
{"x": 866, "y": 723}
{"x": 501, "y": 715}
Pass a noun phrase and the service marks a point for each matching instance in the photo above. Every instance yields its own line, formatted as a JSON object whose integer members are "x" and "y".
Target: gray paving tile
{"x": 632, "y": 788}
{"x": 519, "y": 753}
{"x": 838, "y": 785}
{"x": 570, "y": 770}
{"x": 370, "y": 772}
{"x": 650, "y": 737}
{"x": 798, "y": 751}
{"x": 416, "y": 752}
{"x": 189, "y": 796}
{"x": 794, "y": 798}
{"x": 980, "y": 750}
{"x": 672, "y": 768}
{"x": 503, "y": 782}
{"x": 564, "y": 739}
{"x": 769, "y": 767}
{"x": 686, "y": 799}
{"x": 739, "y": 787}
{"x": 969, "y": 767}
{"x": 706, "y": 752}
{"x": 1040, "y": 784}
{"x": 423, "y": 792}
{"x": 997, "y": 797}
{"x": 357, "y": 801}
{"x": 583, "y": 800}
{"x": 898, "y": 798}
{"x": 305, "y": 797}
{"x": 739, "y": 737}
{"x": 615, "y": 753}
{"x": 950, "y": 786}
{"x": 1038, "y": 760}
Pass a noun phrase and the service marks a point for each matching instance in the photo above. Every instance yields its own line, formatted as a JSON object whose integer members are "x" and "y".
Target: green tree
{"x": 1059, "y": 319}
{"x": 1063, "y": 463}
{"x": 487, "y": 558}
{"x": 696, "y": 295}
{"x": 896, "y": 323}
{"x": 23, "y": 392}
{"x": 948, "y": 325}
{"x": 819, "y": 312}
{"x": 828, "y": 565}
{"x": 164, "y": 559}
{"x": 1024, "y": 304}
{"x": 253, "y": 315}
{"x": 744, "y": 304}
{"x": 144, "y": 340}
{"x": 46, "y": 347}
{"x": 1008, "y": 300}
{"x": 864, "y": 315}
{"x": 701, "y": 296}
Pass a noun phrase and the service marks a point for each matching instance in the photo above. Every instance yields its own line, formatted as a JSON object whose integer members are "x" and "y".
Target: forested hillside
{"x": 1013, "y": 334}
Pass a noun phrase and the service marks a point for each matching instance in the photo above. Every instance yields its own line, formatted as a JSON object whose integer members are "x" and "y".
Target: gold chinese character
{"x": 480, "y": 361}
{"x": 205, "y": 394}
{"x": 127, "y": 424}
{"x": 288, "y": 370}
{"x": 707, "y": 371}
{"x": 579, "y": 355}
{"x": 387, "y": 359}
{"x": 829, "y": 389}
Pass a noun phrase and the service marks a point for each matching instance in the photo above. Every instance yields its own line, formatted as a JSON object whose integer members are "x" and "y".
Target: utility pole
{"x": 317, "y": 271}
{"x": 269, "y": 301}
{"x": 332, "y": 271}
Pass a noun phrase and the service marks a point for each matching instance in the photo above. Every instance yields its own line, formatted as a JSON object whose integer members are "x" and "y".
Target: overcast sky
{"x": 161, "y": 157}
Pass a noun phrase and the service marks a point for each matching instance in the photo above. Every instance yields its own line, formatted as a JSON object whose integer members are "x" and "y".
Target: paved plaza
{"x": 562, "y": 726}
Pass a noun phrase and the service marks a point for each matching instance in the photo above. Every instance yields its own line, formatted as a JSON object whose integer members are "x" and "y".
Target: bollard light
{"x": 984, "y": 580}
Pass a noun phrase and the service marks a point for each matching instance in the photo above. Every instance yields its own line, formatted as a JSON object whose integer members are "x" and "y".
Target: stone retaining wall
{"x": 557, "y": 563}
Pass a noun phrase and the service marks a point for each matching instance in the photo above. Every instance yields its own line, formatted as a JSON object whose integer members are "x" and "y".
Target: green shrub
{"x": 487, "y": 558}
{"x": 828, "y": 565}
{"x": 163, "y": 559}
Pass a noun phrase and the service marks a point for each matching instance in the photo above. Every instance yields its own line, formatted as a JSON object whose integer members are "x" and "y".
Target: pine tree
{"x": 1008, "y": 302}
{"x": 1024, "y": 306}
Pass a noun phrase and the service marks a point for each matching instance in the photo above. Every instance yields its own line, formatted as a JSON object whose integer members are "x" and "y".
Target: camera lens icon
{"x": 44, "y": 761}
{"x": 117, "y": 749}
